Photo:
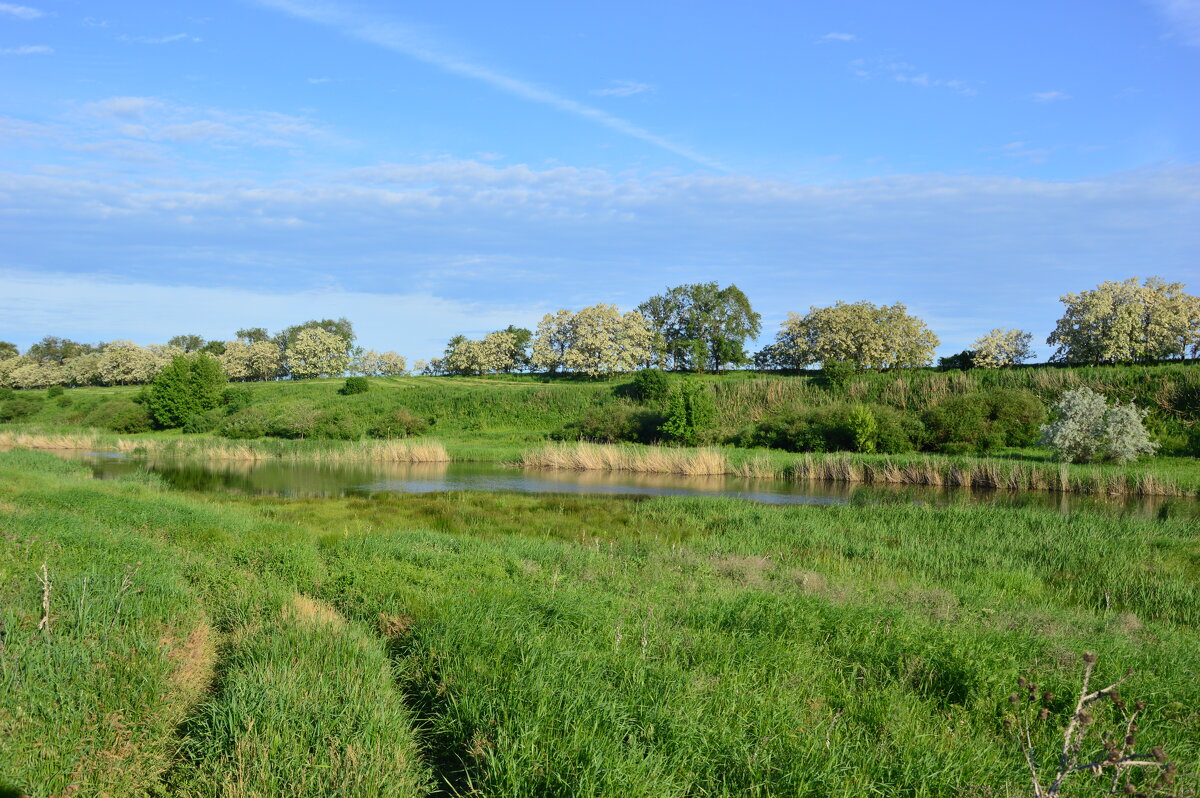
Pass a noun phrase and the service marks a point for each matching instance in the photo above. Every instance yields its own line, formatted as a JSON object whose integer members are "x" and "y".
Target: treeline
{"x": 323, "y": 348}
{"x": 702, "y": 327}
{"x": 698, "y": 327}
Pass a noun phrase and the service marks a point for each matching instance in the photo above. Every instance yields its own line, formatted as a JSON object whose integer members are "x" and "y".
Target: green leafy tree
{"x": 701, "y": 326}
{"x": 689, "y": 414}
{"x": 8, "y": 350}
{"x": 53, "y": 349}
{"x": 189, "y": 385}
{"x": 188, "y": 343}
{"x": 863, "y": 428}
{"x": 253, "y": 335}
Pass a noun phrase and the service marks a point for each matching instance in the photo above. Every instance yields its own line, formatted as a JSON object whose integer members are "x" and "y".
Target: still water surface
{"x": 307, "y": 480}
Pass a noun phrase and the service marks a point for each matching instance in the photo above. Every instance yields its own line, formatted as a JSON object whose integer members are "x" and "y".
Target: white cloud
{"x": 527, "y": 238}
{"x": 1050, "y": 96}
{"x": 623, "y": 88}
{"x": 84, "y": 307}
{"x": 1184, "y": 17}
{"x": 20, "y": 12}
{"x": 152, "y": 119}
{"x": 36, "y": 49}
{"x": 838, "y": 37}
{"x": 316, "y": 81}
{"x": 410, "y": 42}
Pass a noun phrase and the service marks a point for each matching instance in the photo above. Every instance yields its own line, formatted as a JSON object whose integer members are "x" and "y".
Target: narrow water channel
{"x": 317, "y": 480}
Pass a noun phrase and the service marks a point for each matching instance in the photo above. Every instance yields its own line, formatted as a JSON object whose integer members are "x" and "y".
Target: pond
{"x": 309, "y": 480}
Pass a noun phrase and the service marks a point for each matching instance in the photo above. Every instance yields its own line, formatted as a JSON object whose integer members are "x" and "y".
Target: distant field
{"x": 516, "y": 646}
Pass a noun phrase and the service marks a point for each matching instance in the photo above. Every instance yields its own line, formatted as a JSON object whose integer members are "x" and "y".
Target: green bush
{"x": 53, "y": 391}
{"x": 120, "y": 415}
{"x": 963, "y": 361}
{"x": 689, "y": 414}
{"x": 837, "y": 373}
{"x": 651, "y": 386}
{"x": 207, "y": 421}
{"x": 985, "y": 420}
{"x": 863, "y": 428}
{"x": 836, "y": 428}
{"x": 191, "y": 384}
{"x": 613, "y": 422}
{"x": 20, "y": 407}
{"x": 398, "y": 423}
{"x": 249, "y": 422}
{"x": 6, "y": 394}
{"x": 339, "y": 424}
{"x": 354, "y": 385}
{"x": 235, "y": 398}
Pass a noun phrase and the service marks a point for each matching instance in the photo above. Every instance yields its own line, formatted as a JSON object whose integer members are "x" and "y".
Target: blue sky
{"x": 430, "y": 169}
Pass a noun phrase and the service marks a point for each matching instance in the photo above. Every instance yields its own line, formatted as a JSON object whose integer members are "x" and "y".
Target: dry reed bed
{"x": 650, "y": 460}
{"x": 846, "y": 467}
{"x": 387, "y": 451}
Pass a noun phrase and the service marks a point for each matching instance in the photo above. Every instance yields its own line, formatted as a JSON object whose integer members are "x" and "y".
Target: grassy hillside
{"x": 505, "y": 645}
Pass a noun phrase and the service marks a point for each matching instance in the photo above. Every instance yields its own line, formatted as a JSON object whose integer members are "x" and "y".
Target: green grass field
{"x": 506, "y": 645}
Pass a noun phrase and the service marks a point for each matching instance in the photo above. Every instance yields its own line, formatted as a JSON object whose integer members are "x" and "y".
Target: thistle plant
{"x": 1109, "y": 754}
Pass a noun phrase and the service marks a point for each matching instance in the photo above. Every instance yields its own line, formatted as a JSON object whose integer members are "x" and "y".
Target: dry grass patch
{"x": 312, "y": 612}
{"x": 646, "y": 460}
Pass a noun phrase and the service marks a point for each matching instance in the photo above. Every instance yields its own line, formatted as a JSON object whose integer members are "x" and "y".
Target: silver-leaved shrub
{"x": 1087, "y": 429}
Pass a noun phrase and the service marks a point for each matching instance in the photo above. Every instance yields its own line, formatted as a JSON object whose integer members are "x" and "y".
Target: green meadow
{"x": 515, "y": 645}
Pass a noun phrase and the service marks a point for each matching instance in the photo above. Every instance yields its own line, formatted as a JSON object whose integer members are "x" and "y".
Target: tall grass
{"x": 510, "y": 645}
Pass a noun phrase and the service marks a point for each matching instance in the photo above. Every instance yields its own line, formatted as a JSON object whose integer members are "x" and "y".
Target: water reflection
{"x": 297, "y": 480}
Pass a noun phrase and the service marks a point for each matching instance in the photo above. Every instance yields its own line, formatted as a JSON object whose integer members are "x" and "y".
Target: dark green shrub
{"x": 297, "y": 420}
{"x": 249, "y": 422}
{"x": 840, "y": 428}
{"x": 837, "y": 373}
{"x": 354, "y": 385}
{"x": 963, "y": 361}
{"x": 191, "y": 384}
{"x": 651, "y": 386}
{"x": 613, "y": 422}
{"x": 339, "y": 424}
{"x": 984, "y": 421}
{"x": 20, "y": 407}
{"x": 6, "y": 394}
{"x": 53, "y": 391}
{"x": 689, "y": 414}
{"x": 120, "y": 415}
{"x": 235, "y": 398}
{"x": 398, "y": 423}
{"x": 207, "y": 421}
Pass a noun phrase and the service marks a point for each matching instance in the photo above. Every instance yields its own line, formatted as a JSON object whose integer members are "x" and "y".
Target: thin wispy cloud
{"x": 36, "y": 49}
{"x": 408, "y": 41}
{"x": 623, "y": 88}
{"x": 1184, "y": 17}
{"x": 317, "y": 81}
{"x": 838, "y": 37}
{"x": 903, "y": 72}
{"x": 1050, "y": 96}
{"x": 20, "y": 12}
{"x": 174, "y": 37}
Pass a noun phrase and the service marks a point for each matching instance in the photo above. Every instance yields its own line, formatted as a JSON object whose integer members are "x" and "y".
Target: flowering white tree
{"x": 126, "y": 363}
{"x": 315, "y": 352}
{"x": 595, "y": 340}
{"x": 1128, "y": 322}
{"x": 1000, "y": 348}
{"x": 869, "y": 336}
